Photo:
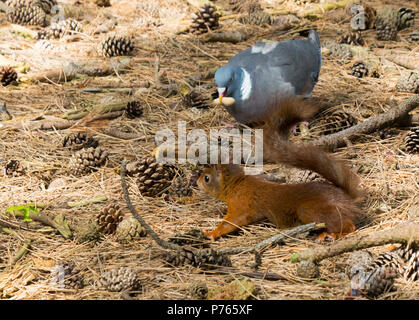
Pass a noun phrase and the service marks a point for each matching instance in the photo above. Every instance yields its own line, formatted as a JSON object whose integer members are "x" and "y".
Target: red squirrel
{"x": 251, "y": 198}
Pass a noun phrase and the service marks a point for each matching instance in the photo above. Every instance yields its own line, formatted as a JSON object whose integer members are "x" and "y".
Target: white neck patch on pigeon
{"x": 246, "y": 86}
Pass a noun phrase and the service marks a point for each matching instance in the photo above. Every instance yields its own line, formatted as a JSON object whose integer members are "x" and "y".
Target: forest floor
{"x": 389, "y": 174}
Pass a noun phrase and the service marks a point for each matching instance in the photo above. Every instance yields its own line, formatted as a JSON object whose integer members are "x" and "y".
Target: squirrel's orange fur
{"x": 251, "y": 198}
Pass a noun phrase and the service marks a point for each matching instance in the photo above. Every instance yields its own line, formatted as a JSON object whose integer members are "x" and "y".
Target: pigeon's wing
{"x": 293, "y": 62}
{"x": 276, "y": 68}
{"x": 257, "y": 55}
{"x": 298, "y": 63}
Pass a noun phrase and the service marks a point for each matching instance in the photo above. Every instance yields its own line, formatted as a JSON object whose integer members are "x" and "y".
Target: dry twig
{"x": 59, "y": 223}
{"x": 404, "y": 233}
{"x": 159, "y": 241}
{"x": 233, "y": 37}
{"x": 274, "y": 240}
{"x": 22, "y": 251}
{"x": 387, "y": 119}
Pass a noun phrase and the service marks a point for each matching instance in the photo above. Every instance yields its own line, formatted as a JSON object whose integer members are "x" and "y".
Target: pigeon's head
{"x": 229, "y": 82}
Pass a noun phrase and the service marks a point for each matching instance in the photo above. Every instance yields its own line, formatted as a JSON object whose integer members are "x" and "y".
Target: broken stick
{"x": 391, "y": 117}
{"x": 405, "y": 233}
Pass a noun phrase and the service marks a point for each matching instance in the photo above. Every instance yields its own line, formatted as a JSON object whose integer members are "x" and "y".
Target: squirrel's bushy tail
{"x": 308, "y": 157}
{"x": 278, "y": 149}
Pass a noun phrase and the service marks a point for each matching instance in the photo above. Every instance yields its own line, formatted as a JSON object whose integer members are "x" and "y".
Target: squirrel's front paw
{"x": 210, "y": 235}
{"x": 325, "y": 236}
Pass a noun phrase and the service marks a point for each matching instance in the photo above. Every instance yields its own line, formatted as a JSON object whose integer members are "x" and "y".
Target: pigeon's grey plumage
{"x": 268, "y": 71}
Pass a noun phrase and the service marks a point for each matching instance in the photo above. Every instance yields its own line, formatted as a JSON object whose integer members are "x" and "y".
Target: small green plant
{"x": 25, "y": 209}
{"x": 295, "y": 257}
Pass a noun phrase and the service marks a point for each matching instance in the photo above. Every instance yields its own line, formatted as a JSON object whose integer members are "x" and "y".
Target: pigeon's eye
{"x": 206, "y": 179}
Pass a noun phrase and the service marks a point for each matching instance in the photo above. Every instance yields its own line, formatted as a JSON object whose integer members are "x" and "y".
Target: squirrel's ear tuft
{"x": 232, "y": 169}
{"x": 219, "y": 168}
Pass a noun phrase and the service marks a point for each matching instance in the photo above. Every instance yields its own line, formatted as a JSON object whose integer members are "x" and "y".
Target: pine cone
{"x": 358, "y": 261}
{"x": 386, "y": 32}
{"x": 79, "y": 140}
{"x": 245, "y": 6}
{"x": 335, "y": 121}
{"x": 180, "y": 187}
{"x": 411, "y": 270}
{"x": 14, "y": 168}
{"x": 372, "y": 277}
{"x": 122, "y": 279}
{"x": 359, "y": 69}
{"x": 414, "y": 36}
{"x": 378, "y": 281}
{"x": 134, "y": 109}
{"x": 337, "y": 50}
{"x": 388, "y": 259}
{"x": 196, "y": 99}
{"x": 129, "y": 230}
{"x": 412, "y": 141}
{"x": 7, "y": 75}
{"x": 386, "y": 24}
{"x": 258, "y": 18}
{"x": 87, "y": 232}
{"x": 205, "y": 19}
{"x": 203, "y": 258}
{"x": 48, "y": 45}
{"x": 367, "y": 278}
{"x": 408, "y": 82}
{"x": 198, "y": 290}
{"x": 152, "y": 177}
{"x": 407, "y": 253}
{"x": 46, "y": 5}
{"x": 109, "y": 218}
{"x": 363, "y": 17}
{"x": 66, "y": 276}
{"x": 405, "y": 259}
{"x": 60, "y": 29}
{"x": 308, "y": 269}
{"x": 116, "y": 46}
{"x": 102, "y": 3}
{"x": 352, "y": 38}
{"x": 43, "y": 34}
{"x": 195, "y": 238}
{"x": 405, "y": 18}
{"x": 87, "y": 160}
{"x": 27, "y": 16}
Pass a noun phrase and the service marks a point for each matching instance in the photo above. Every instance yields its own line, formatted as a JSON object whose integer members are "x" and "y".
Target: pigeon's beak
{"x": 221, "y": 93}
{"x": 220, "y": 98}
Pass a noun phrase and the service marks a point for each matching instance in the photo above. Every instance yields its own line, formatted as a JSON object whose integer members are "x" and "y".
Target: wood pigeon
{"x": 258, "y": 76}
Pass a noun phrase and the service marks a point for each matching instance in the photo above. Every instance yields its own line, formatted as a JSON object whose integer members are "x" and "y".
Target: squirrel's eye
{"x": 206, "y": 178}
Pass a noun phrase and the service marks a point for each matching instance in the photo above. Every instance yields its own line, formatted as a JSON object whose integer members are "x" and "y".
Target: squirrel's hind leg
{"x": 337, "y": 222}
